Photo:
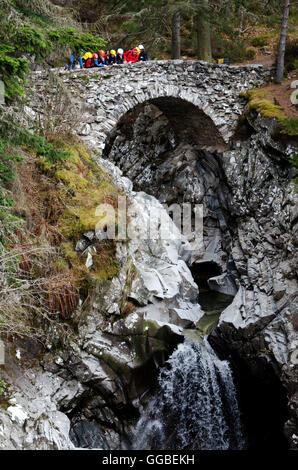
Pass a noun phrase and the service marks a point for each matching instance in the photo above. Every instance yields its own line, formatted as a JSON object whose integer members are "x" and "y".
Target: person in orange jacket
{"x": 131, "y": 56}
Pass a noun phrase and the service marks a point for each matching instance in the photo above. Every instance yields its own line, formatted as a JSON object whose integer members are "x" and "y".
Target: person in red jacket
{"x": 131, "y": 56}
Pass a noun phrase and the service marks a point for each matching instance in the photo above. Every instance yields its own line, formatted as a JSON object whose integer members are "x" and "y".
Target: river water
{"x": 195, "y": 405}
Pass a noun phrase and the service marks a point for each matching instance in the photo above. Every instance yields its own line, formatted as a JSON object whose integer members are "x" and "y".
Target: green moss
{"x": 266, "y": 108}
{"x": 89, "y": 187}
{"x": 259, "y": 99}
{"x": 74, "y": 157}
{"x": 151, "y": 337}
{"x": 207, "y": 323}
{"x": 85, "y": 78}
{"x": 67, "y": 250}
{"x": 86, "y": 186}
{"x": 74, "y": 181}
{"x": 294, "y": 160}
{"x": 19, "y": 136}
{"x": 291, "y": 54}
{"x": 105, "y": 265}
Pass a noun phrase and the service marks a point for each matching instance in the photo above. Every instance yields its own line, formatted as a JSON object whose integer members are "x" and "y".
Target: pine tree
{"x": 176, "y": 39}
{"x": 203, "y": 32}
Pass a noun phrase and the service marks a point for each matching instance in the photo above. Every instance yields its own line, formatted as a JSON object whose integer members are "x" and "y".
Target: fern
{"x": 13, "y": 71}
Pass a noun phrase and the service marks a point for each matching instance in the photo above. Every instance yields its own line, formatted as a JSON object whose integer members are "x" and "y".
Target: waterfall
{"x": 195, "y": 406}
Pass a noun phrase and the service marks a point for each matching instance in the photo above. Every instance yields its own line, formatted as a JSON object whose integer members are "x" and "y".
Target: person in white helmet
{"x": 120, "y": 56}
{"x": 143, "y": 55}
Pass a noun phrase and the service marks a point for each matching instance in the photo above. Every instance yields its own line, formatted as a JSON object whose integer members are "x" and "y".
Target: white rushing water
{"x": 195, "y": 406}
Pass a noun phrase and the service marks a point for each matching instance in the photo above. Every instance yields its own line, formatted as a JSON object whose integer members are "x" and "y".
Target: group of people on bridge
{"x": 103, "y": 59}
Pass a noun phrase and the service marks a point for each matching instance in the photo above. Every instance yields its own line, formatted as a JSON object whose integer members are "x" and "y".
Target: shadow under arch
{"x": 190, "y": 123}
{"x": 192, "y": 120}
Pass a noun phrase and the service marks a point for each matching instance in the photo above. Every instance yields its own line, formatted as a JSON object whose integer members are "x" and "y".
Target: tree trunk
{"x": 203, "y": 35}
{"x": 176, "y": 46}
{"x": 282, "y": 43}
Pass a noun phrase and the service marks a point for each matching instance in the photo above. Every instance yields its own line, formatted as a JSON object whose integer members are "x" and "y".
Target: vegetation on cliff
{"x": 49, "y": 194}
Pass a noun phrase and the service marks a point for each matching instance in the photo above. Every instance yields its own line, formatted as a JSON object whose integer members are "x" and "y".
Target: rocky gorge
{"x": 190, "y": 142}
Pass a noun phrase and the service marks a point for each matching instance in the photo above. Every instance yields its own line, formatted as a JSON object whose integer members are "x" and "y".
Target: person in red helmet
{"x": 131, "y": 56}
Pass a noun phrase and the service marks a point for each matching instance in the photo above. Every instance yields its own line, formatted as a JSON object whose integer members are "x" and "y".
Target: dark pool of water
{"x": 213, "y": 303}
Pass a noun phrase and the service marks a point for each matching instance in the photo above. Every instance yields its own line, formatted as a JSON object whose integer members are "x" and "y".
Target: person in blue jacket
{"x": 72, "y": 62}
{"x": 96, "y": 62}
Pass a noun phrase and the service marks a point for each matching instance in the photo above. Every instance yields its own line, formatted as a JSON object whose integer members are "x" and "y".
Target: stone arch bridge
{"x": 200, "y": 100}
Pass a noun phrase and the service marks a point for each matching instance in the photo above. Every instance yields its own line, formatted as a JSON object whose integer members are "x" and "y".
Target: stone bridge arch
{"x": 208, "y": 94}
{"x": 190, "y": 116}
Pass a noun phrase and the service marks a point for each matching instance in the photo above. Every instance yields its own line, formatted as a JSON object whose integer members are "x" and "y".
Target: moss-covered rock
{"x": 149, "y": 337}
{"x": 260, "y": 100}
{"x": 85, "y": 188}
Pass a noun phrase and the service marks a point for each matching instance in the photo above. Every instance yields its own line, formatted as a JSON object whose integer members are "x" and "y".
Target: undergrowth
{"x": 49, "y": 192}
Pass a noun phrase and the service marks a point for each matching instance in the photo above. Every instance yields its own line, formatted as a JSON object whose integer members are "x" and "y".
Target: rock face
{"x": 173, "y": 144}
{"x": 250, "y": 222}
{"x": 99, "y": 379}
{"x": 32, "y": 419}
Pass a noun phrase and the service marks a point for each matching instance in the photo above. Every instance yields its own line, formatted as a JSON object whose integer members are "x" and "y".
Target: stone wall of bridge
{"x": 202, "y": 97}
